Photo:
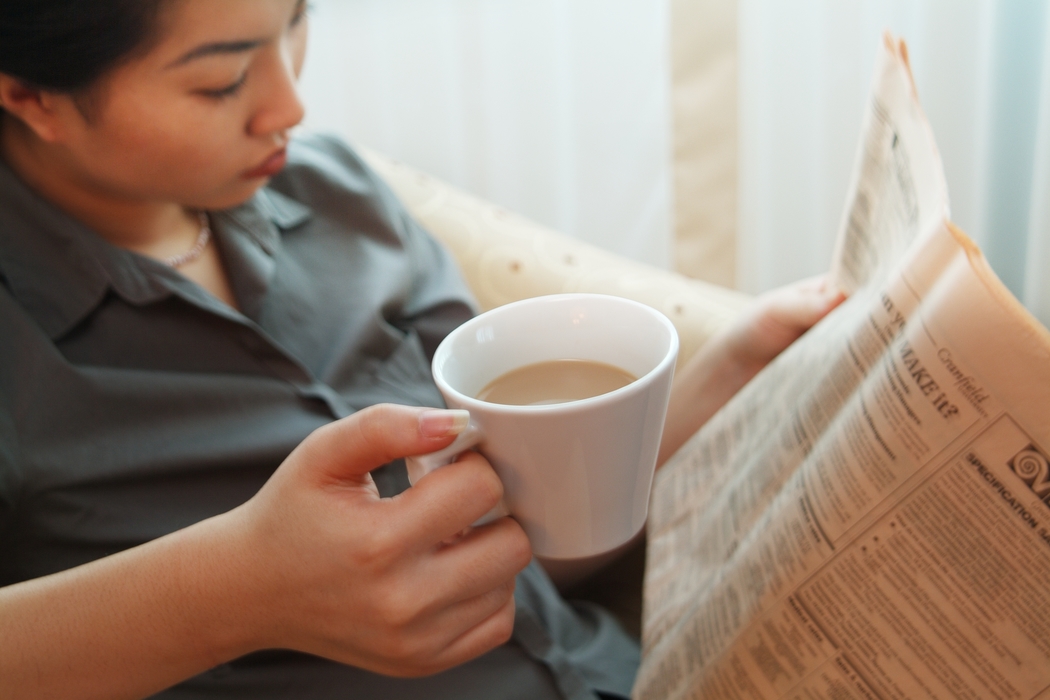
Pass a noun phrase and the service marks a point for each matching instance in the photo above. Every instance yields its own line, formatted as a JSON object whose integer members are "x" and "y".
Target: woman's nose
{"x": 280, "y": 107}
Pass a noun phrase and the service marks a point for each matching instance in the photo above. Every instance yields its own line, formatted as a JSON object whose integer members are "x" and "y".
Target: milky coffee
{"x": 555, "y": 381}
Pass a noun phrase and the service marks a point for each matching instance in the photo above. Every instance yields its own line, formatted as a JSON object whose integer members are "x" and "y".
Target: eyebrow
{"x": 217, "y": 48}
{"x": 220, "y": 48}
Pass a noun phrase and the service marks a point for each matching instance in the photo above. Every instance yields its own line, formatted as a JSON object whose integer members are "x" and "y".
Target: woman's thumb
{"x": 351, "y": 447}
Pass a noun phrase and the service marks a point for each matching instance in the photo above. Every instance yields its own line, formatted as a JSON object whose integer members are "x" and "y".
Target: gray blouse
{"x": 133, "y": 403}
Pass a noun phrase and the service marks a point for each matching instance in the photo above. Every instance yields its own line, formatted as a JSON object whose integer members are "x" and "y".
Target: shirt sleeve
{"x": 437, "y": 299}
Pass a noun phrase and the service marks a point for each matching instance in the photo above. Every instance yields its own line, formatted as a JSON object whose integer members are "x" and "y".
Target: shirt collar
{"x": 60, "y": 271}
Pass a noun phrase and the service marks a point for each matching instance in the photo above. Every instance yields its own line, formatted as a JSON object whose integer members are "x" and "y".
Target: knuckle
{"x": 501, "y": 595}
{"x": 489, "y": 488}
{"x": 416, "y": 653}
{"x": 397, "y": 609}
{"x": 373, "y": 422}
{"x": 401, "y": 650}
{"x": 423, "y": 668}
{"x": 503, "y": 626}
{"x": 386, "y": 430}
{"x": 518, "y": 547}
{"x": 378, "y": 550}
{"x": 397, "y": 651}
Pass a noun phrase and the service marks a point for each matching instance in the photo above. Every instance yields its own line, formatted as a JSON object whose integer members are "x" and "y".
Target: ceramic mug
{"x": 576, "y": 475}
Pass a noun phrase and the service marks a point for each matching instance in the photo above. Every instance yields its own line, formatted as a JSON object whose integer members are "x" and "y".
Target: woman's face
{"x": 202, "y": 118}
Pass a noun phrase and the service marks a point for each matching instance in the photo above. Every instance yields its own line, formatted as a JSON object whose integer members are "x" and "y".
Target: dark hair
{"x": 66, "y": 45}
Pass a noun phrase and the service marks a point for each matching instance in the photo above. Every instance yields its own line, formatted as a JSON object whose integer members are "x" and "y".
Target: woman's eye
{"x": 301, "y": 12}
{"x": 228, "y": 91}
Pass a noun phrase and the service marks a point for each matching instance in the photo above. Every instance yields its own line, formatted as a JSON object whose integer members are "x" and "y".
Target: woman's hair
{"x": 66, "y": 45}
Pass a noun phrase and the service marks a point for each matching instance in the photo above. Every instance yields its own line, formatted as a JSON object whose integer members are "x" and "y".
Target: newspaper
{"x": 869, "y": 518}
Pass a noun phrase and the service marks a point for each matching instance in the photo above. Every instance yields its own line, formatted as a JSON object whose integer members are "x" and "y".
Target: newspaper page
{"x": 870, "y": 517}
{"x": 898, "y": 187}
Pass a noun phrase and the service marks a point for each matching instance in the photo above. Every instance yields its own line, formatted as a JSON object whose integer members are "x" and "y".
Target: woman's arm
{"x": 316, "y": 562}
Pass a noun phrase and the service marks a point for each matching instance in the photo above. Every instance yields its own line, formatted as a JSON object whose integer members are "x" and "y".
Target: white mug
{"x": 576, "y": 475}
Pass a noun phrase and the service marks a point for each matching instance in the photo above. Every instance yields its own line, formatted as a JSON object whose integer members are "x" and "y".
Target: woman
{"x": 185, "y": 296}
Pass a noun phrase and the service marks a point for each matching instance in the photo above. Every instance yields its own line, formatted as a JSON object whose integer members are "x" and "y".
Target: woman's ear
{"x": 36, "y": 108}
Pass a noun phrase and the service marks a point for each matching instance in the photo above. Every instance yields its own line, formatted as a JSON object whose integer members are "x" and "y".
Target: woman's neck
{"x": 157, "y": 229}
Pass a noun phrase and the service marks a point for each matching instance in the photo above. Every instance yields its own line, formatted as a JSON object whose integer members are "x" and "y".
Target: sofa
{"x": 505, "y": 257}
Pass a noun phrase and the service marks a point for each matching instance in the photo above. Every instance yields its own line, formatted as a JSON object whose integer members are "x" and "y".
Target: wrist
{"x": 235, "y": 588}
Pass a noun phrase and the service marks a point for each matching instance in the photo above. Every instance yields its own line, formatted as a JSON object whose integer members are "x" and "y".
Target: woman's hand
{"x": 776, "y": 320}
{"x": 730, "y": 360}
{"x": 368, "y": 581}
{"x": 316, "y": 561}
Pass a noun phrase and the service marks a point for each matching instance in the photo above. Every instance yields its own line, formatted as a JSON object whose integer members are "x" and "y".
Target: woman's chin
{"x": 234, "y": 197}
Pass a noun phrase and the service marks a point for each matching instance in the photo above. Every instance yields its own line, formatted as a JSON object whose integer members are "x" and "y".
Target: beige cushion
{"x": 506, "y": 257}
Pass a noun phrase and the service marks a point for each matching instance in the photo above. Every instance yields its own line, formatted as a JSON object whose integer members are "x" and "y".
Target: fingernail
{"x": 443, "y": 423}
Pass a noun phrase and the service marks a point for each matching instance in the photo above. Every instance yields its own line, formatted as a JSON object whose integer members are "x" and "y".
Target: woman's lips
{"x": 270, "y": 166}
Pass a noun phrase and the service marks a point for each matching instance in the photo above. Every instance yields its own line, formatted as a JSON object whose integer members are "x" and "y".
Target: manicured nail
{"x": 443, "y": 423}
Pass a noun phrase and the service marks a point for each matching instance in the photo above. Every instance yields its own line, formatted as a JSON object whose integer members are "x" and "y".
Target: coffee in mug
{"x": 555, "y": 381}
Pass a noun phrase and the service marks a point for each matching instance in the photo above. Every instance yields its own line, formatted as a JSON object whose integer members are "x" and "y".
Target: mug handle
{"x": 421, "y": 465}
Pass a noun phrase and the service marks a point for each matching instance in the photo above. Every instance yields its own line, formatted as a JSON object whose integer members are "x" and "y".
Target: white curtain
{"x": 560, "y": 109}
{"x": 557, "y": 109}
{"x": 983, "y": 74}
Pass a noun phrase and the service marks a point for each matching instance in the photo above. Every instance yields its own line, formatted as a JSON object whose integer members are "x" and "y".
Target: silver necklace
{"x": 198, "y": 247}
